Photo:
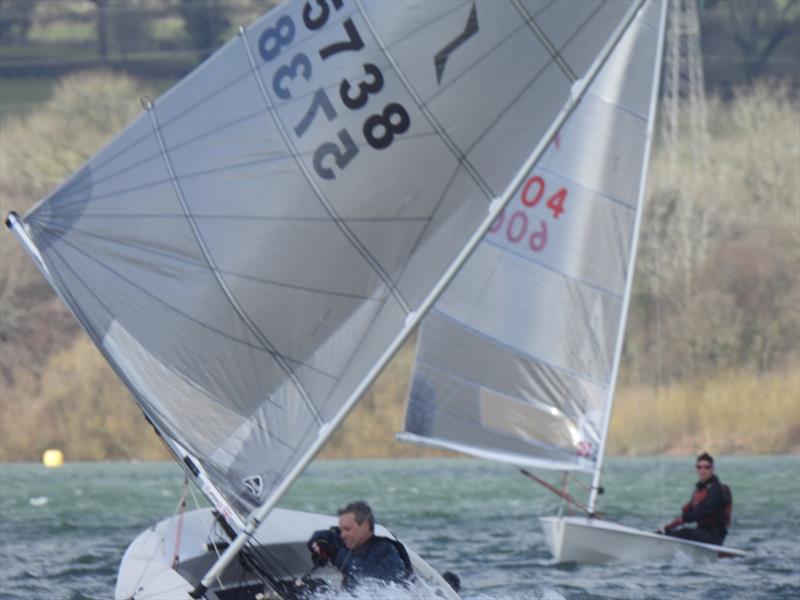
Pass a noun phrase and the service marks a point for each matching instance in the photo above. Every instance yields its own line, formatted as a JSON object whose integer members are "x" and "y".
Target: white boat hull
{"x": 584, "y": 540}
{"x": 146, "y": 570}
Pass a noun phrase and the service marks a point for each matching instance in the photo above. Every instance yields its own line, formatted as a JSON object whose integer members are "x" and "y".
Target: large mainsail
{"x": 250, "y": 251}
{"x": 516, "y": 360}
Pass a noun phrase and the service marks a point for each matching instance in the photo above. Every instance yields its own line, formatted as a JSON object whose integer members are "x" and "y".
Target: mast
{"x": 631, "y": 264}
{"x": 579, "y": 89}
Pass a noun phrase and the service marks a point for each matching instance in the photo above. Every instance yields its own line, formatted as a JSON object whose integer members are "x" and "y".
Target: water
{"x": 63, "y": 531}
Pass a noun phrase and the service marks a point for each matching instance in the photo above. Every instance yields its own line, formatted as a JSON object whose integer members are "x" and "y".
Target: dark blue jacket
{"x": 377, "y": 558}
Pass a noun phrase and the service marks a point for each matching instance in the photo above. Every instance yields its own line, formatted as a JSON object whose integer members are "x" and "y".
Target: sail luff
{"x": 578, "y": 90}
{"x": 631, "y": 262}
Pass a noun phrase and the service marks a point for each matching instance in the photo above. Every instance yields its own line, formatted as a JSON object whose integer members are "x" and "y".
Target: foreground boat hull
{"x": 584, "y": 540}
{"x": 147, "y": 570}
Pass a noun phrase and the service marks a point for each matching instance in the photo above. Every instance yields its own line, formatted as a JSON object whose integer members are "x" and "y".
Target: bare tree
{"x": 759, "y": 27}
{"x": 16, "y": 19}
{"x": 205, "y": 22}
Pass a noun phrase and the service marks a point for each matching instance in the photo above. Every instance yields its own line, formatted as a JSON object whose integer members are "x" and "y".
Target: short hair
{"x": 706, "y": 457}
{"x": 361, "y": 511}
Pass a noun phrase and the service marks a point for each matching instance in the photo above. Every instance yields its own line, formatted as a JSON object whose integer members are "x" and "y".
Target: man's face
{"x": 705, "y": 470}
{"x": 353, "y": 534}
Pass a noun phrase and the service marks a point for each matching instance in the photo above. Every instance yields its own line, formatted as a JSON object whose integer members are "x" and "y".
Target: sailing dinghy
{"x": 251, "y": 251}
{"x": 518, "y": 359}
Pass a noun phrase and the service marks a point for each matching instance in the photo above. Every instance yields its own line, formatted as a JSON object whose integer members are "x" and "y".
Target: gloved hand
{"x": 670, "y": 526}
{"x": 321, "y": 552}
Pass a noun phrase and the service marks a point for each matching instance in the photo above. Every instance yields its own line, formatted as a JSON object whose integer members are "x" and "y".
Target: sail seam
{"x": 546, "y": 267}
{"x": 189, "y": 175}
{"x": 199, "y": 265}
{"x": 487, "y": 282}
{"x": 541, "y": 463}
{"x": 326, "y": 204}
{"x": 516, "y": 98}
{"x": 516, "y": 350}
{"x": 149, "y": 410}
{"x": 79, "y": 315}
{"x": 277, "y": 356}
{"x": 542, "y": 37}
{"x": 533, "y": 403}
{"x": 619, "y": 106}
{"x": 460, "y": 156}
{"x": 169, "y": 306}
{"x": 595, "y": 192}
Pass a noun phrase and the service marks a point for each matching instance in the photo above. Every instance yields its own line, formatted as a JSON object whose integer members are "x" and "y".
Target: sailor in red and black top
{"x": 707, "y": 508}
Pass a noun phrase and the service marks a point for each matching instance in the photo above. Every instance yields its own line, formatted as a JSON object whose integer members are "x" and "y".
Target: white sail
{"x": 516, "y": 360}
{"x": 245, "y": 252}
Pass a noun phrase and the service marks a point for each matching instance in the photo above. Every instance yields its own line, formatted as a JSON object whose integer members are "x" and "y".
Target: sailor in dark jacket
{"x": 707, "y": 508}
{"x": 355, "y": 550}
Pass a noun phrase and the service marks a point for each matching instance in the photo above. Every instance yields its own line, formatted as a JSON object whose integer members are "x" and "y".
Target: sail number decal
{"x": 379, "y": 130}
{"x": 521, "y": 228}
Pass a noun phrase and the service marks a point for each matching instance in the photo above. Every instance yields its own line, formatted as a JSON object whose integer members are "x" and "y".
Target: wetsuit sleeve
{"x": 710, "y": 505}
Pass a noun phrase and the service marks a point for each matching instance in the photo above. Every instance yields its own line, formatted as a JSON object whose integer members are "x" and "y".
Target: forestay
{"x": 516, "y": 360}
{"x": 247, "y": 250}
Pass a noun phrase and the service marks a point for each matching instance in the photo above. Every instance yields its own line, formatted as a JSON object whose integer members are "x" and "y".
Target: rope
{"x": 560, "y": 493}
{"x": 181, "y": 510}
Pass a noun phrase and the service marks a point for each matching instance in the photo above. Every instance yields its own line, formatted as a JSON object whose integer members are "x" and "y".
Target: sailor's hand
{"x": 321, "y": 552}
{"x": 672, "y": 524}
{"x": 660, "y": 531}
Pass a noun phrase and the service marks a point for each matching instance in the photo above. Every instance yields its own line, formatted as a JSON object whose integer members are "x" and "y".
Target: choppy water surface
{"x": 63, "y": 531}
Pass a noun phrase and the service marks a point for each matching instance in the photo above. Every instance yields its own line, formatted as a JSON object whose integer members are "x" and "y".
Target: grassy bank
{"x": 729, "y": 413}
{"x": 92, "y": 417}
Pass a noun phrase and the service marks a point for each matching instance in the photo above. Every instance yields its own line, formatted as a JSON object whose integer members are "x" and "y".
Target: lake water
{"x": 63, "y": 531}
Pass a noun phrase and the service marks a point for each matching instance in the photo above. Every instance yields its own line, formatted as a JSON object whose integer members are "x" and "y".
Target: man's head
{"x": 356, "y": 523}
{"x": 705, "y": 466}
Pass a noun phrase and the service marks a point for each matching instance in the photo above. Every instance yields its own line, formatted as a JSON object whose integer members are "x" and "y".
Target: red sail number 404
{"x": 521, "y": 228}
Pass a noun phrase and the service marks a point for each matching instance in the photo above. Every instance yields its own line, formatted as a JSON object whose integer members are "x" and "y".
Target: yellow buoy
{"x": 53, "y": 458}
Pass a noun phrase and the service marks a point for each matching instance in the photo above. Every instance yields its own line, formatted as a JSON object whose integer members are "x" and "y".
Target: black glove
{"x": 322, "y": 554}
